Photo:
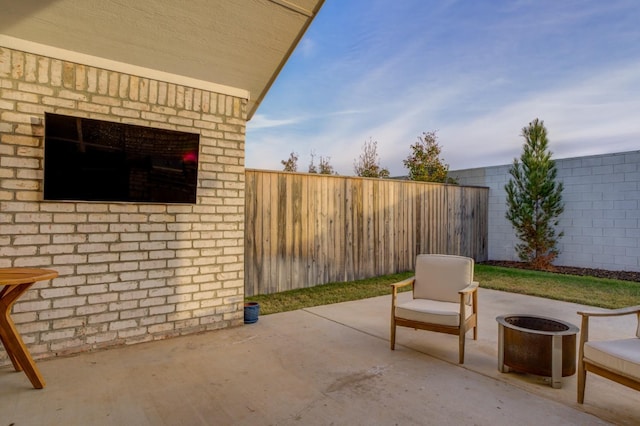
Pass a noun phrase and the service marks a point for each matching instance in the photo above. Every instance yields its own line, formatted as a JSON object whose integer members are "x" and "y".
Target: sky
{"x": 475, "y": 72}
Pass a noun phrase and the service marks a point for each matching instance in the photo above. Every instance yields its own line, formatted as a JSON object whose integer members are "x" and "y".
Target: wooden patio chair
{"x": 617, "y": 360}
{"x": 445, "y": 298}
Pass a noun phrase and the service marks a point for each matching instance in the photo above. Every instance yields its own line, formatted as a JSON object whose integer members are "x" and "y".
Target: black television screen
{"x": 95, "y": 160}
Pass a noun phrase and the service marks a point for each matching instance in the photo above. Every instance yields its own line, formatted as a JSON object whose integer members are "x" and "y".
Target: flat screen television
{"x": 95, "y": 160}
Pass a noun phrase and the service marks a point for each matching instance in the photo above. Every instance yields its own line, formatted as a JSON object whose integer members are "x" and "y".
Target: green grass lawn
{"x": 605, "y": 293}
{"x": 601, "y": 292}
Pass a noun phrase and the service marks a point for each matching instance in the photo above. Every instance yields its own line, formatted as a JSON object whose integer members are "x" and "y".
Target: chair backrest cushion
{"x": 440, "y": 276}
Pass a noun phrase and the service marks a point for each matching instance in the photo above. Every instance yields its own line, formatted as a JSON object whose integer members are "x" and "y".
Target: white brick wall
{"x": 129, "y": 272}
{"x": 601, "y": 220}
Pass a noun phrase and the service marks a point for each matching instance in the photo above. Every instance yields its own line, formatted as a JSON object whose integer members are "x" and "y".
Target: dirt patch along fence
{"x": 303, "y": 230}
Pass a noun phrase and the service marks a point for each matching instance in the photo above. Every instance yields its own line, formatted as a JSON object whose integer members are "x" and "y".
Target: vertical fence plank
{"x": 252, "y": 235}
{"x": 312, "y": 236}
{"x": 271, "y": 190}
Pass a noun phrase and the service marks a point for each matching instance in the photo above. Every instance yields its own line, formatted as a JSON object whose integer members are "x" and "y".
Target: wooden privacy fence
{"x": 302, "y": 230}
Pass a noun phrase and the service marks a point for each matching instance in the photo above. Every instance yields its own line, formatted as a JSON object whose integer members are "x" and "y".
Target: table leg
{"x": 13, "y": 359}
{"x": 11, "y": 339}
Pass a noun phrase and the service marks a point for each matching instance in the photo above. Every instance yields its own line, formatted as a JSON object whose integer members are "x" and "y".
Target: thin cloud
{"x": 307, "y": 47}
{"x": 260, "y": 121}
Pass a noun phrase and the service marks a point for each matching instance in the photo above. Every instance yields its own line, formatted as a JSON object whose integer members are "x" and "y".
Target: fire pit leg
{"x": 501, "y": 365}
{"x": 556, "y": 362}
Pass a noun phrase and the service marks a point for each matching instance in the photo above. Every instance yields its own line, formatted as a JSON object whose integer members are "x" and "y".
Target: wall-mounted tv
{"x": 95, "y": 160}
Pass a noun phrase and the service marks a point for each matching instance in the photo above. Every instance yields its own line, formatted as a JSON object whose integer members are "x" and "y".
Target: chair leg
{"x": 461, "y": 346}
{"x": 582, "y": 381}
{"x": 393, "y": 333}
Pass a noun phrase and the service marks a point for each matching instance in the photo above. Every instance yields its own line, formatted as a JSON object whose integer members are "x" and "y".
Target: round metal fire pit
{"x": 537, "y": 345}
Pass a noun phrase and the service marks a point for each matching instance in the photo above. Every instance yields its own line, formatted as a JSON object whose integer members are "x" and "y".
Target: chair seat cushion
{"x": 622, "y": 356}
{"x": 431, "y": 311}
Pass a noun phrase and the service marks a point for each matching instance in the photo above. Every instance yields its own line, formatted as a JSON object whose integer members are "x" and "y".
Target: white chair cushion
{"x": 431, "y": 311}
{"x": 621, "y": 355}
{"x": 440, "y": 277}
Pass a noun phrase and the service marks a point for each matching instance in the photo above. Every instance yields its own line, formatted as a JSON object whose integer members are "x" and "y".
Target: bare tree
{"x": 368, "y": 164}
{"x": 325, "y": 167}
{"x": 291, "y": 164}
{"x": 312, "y": 166}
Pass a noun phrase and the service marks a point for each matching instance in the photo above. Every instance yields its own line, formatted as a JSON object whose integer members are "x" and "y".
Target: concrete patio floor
{"x": 328, "y": 365}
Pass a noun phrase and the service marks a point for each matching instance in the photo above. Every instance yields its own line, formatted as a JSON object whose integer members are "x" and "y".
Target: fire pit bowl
{"x": 537, "y": 345}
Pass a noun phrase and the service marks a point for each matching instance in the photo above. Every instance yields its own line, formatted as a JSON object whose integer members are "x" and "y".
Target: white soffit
{"x": 240, "y": 44}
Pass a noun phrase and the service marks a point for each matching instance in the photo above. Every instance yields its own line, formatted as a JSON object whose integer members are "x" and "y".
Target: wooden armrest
{"x": 470, "y": 288}
{"x": 403, "y": 283}
{"x": 394, "y": 292}
{"x": 611, "y": 312}
{"x": 584, "y": 332}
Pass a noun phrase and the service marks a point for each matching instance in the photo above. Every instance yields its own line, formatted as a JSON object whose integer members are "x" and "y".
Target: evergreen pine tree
{"x": 534, "y": 199}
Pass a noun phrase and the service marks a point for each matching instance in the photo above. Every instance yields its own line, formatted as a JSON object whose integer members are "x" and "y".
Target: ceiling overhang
{"x": 237, "y": 47}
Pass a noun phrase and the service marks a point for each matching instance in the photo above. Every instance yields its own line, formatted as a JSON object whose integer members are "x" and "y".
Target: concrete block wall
{"x": 129, "y": 272}
{"x": 601, "y": 220}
